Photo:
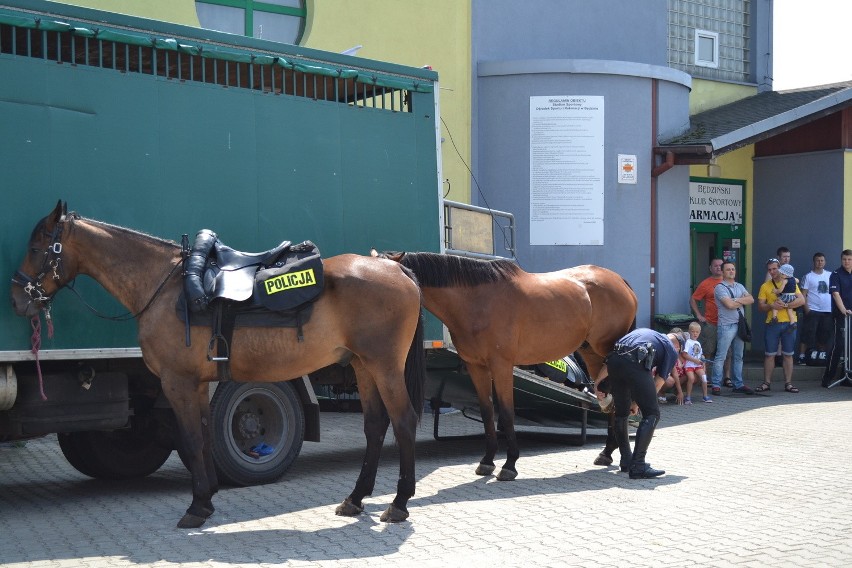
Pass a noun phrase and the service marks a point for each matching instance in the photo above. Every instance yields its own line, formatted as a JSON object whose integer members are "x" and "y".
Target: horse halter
{"x": 34, "y": 287}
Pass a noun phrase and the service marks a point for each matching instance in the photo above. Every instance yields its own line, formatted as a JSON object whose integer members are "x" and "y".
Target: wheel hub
{"x": 248, "y": 424}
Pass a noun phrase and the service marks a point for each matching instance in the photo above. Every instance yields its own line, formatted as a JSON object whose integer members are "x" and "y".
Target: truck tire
{"x": 115, "y": 455}
{"x": 247, "y": 415}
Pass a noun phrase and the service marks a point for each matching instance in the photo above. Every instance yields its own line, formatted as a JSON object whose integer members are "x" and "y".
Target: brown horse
{"x": 369, "y": 315}
{"x": 499, "y": 316}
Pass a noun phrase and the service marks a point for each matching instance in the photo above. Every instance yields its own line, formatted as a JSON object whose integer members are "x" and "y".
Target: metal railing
{"x": 478, "y": 232}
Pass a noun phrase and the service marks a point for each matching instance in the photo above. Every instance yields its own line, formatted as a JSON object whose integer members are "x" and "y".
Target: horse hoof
{"x": 348, "y": 509}
{"x": 507, "y": 475}
{"x": 190, "y": 521}
{"x": 484, "y": 469}
{"x": 394, "y": 514}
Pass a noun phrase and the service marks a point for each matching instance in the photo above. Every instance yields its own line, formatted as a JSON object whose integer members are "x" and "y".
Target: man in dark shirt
{"x": 840, "y": 288}
{"x": 627, "y": 375}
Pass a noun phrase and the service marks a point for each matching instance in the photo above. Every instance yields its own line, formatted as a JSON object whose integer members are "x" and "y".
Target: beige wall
{"x": 706, "y": 95}
{"x": 414, "y": 33}
{"x": 847, "y": 200}
{"x": 175, "y": 11}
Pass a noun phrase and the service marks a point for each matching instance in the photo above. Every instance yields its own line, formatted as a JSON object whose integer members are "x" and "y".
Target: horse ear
{"x": 64, "y": 207}
{"x": 58, "y": 212}
{"x": 374, "y": 253}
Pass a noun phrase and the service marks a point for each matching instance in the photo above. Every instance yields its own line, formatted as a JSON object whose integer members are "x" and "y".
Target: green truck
{"x": 170, "y": 129}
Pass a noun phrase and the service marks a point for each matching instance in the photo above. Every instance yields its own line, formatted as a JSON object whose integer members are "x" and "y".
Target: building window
{"x": 706, "y": 49}
{"x": 275, "y": 20}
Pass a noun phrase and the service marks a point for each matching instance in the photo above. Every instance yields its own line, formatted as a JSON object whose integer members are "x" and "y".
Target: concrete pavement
{"x": 751, "y": 481}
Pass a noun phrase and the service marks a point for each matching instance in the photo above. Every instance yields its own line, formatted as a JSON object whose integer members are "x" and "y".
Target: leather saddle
{"x": 214, "y": 270}
{"x": 226, "y": 288}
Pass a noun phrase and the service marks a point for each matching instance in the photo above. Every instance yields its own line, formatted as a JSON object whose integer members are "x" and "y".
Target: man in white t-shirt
{"x": 818, "y": 328}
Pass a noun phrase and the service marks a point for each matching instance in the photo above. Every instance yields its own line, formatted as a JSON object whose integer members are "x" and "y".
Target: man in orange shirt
{"x": 710, "y": 318}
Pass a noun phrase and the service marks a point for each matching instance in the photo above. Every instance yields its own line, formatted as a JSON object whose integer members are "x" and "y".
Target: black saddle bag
{"x": 297, "y": 278}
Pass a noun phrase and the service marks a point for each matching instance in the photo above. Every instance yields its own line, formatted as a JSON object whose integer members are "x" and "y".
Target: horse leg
{"x": 593, "y": 360}
{"x": 504, "y": 384}
{"x": 404, "y": 419}
{"x": 376, "y": 423}
{"x": 207, "y": 431}
{"x": 193, "y": 428}
{"x": 481, "y": 378}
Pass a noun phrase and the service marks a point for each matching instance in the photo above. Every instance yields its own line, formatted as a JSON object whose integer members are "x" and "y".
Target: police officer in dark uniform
{"x": 840, "y": 288}
{"x": 627, "y": 376}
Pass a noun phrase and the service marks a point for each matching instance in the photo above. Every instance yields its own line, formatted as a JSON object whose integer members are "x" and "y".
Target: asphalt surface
{"x": 751, "y": 481}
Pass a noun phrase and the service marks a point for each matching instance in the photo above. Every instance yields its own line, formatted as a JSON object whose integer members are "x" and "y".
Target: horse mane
{"x": 442, "y": 271}
{"x": 131, "y": 233}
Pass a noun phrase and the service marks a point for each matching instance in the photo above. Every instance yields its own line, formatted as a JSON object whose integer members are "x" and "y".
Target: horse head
{"x": 46, "y": 268}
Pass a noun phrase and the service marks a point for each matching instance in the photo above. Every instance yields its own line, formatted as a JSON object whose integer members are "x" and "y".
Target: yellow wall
{"x": 413, "y": 33}
{"x": 847, "y": 200}
{"x": 738, "y": 165}
{"x": 175, "y": 11}
{"x": 706, "y": 95}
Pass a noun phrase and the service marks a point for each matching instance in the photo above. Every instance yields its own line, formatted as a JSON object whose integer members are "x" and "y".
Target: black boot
{"x": 623, "y": 439}
{"x": 639, "y": 468}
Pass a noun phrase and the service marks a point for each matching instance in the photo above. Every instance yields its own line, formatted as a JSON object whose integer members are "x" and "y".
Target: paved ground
{"x": 752, "y": 481}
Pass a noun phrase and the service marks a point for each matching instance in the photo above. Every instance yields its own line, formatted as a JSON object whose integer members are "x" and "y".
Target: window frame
{"x": 249, "y": 8}
{"x": 706, "y": 34}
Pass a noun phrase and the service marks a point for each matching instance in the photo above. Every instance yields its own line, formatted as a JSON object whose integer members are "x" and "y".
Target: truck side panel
{"x": 169, "y": 157}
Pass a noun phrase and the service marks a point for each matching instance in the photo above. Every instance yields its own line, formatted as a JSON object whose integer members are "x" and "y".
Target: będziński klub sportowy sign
{"x": 711, "y": 202}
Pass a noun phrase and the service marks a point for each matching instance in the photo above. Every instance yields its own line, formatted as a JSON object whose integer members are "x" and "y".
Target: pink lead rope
{"x": 35, "y": 322}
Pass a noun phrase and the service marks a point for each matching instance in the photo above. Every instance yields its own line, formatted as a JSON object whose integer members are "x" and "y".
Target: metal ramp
{"x": 538, "y": 400}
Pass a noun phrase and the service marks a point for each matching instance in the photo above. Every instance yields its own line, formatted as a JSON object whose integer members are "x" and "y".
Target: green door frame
{"x": 710, "y": 239}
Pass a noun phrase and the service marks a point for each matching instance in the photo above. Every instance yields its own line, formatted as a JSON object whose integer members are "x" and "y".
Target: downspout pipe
{"x": 654, "y": 173}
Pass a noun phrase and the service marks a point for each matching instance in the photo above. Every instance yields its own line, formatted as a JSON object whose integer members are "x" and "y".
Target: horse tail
{"x": 632, "y": 325}
{"x": 415, "y": 361}
{"x": 415, "y": 368}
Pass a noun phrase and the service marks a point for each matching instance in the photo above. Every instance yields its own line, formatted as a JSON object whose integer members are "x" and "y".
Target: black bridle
{"x": 34, "y": 287}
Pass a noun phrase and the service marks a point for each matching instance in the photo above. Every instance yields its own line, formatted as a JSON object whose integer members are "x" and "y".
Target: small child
{"x": 693, "y": 363}
{"x": 787, "y": 295}
{"x": 679, "y": 371}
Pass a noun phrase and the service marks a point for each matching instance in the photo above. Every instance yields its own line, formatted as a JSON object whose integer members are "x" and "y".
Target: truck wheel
{"x": 258, "y": 429}
{"x": 116, "y": 455}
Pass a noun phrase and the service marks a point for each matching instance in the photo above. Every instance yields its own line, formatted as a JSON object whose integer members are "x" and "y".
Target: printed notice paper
{"x": 566, "y": 170}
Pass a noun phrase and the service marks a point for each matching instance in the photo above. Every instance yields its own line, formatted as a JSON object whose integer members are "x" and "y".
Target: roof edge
{"x": 756, "y": 129}
{"x": 582, "y": 66}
